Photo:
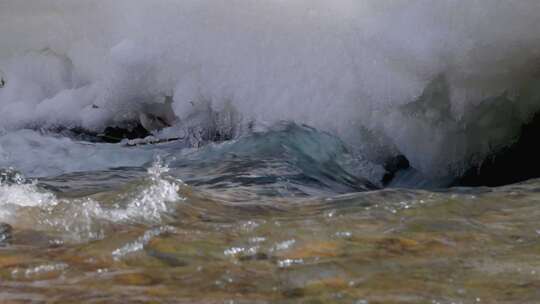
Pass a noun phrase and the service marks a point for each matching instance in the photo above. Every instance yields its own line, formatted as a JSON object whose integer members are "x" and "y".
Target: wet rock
{"x": 397, "y": 246}
{"x": 135, "y": 279}
{"x": 2, "y": 79}
{"x": 259, "y": 256}
{"x": 511, "y": 164}
{"x": 5, "y": 234}
{"x": 178, "y": 252}
{"x": 293, "y": 293}
{"x": 10, "y": 177}
{"x": 33, "y": 238}
{"x": 14, "y": 260}
{"x": 111, "y": 134}
{"x": 392, "y": 166}
{"x": 167, "y": 258}
{"x": 117, "y": 134}
{"x": 315, "y": 250}
{"x": 326, "y": 285}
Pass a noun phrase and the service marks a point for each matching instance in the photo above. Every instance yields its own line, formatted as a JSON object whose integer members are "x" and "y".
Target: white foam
{"x": 25, "y": 195}
{"x": 141, "y": 242}
{"x": 26, "y": 206}
{"x": 333, "y": 64}
{"x": 152, "y": 202}
{"x": 22, "y": 194}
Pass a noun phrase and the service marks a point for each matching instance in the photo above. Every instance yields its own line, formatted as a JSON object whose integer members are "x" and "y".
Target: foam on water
{"x": 16, "y": 192}
{"x": 153, "y": 201}
{"x": 27, "y": 206}
{"x": 342, "y": 66}
{"x": 140, "y": 242}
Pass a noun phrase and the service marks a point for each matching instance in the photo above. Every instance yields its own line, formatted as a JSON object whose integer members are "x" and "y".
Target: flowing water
{"x": 272, "y": 218}
{"x": 239, "y": 151}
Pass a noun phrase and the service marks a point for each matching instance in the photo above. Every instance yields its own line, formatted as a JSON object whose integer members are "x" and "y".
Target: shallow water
{"x": 142, "y": 234}
{"x": 273, "y": 151}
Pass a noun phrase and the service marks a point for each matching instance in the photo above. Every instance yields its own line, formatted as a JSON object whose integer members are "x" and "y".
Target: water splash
{"x": 343, "y": 66}
{"x": 140, "y": 242}
{"x": 152, "y": 201}
{"x": 16, "y": 191}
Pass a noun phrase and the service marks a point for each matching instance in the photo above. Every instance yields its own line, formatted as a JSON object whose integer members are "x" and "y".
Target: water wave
{"x": 369, "y": 72}
{"x": 28, "y": 206}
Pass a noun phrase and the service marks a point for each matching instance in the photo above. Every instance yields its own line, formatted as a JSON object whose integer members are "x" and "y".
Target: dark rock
{"x": 5, "y": 233}
{"x": 167, "y": 258}
{"x": 392, "y": 166}
{"x": 117, "y": 134}
{"x": 112, "y": 134}
{"x": 514, "y": 163}
{"x": 259, "y": 256}
{"x": 293, "y": 293}
{"x": 10, "y": 177}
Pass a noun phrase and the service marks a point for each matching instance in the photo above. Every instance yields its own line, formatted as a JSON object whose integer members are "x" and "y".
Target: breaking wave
{"x": 444, "y": 84}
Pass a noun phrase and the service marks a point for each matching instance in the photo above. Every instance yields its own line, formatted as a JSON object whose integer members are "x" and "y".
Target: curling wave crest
{"x": 386, "y": 77}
